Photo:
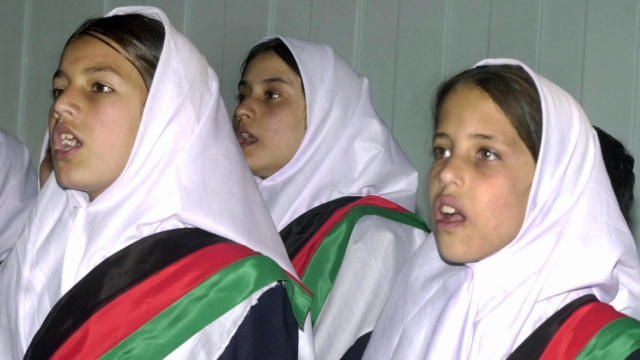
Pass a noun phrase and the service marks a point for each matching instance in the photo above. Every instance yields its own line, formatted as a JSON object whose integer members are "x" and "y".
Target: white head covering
{"x": 347, "y": 150}
{"x": 18, "y": 186}
{"x": 573, "y": 241}
{"x": 185, "y": 170}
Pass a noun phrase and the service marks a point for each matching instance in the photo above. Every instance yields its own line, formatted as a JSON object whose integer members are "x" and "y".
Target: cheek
{"x": 116, "y": 125}
{"x": 51, "y": 120}
{"x": 434, "y": 183}
{"x": 282, "y": 126}
{"x": 507, "y": 209}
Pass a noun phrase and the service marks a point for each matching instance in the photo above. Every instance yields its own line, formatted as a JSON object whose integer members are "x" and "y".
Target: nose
{"x": 450, "y": 172}
{"x": 66, "y": 105}
{"x": 244, "y": 111}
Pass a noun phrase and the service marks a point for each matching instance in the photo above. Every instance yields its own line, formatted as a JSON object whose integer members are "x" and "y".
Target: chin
{"x": 455, "y": 255}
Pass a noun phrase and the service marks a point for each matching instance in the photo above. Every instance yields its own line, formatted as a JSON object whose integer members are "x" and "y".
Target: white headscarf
{"x": 18, "y": 187}
{"x": 347, "y": 150}
{"x": 185, "y": 170}
{"x": 573, "y": 241}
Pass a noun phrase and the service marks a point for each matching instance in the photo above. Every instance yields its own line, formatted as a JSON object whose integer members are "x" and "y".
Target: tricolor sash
{"x": 318, "y": 258}
{"x": 147, "y": 299}
{"x": 584, "y": 329}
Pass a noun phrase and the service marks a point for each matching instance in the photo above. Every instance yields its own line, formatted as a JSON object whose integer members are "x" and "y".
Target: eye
{"x": 101, "y": 88}
{"x": 55, "y": 93}
{"x": 440, "y": 153}
{"x": 240, "y": 97}
{"x": 272, "y": 95}
{"x": 487, "y": 154}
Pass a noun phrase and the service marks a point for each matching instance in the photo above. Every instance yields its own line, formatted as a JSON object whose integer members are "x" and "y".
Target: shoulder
{"x": 583, "y": 328}
{"x": 188, "y": 274}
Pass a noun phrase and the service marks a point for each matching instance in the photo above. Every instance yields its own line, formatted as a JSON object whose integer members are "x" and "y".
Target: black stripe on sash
{"x": 534, "y": 345}
{"x": 299, "y": 231}
{"x": 112, "y": 277}
{"x": 268, "y": 331}
{"x": 634, "y": 355}
{"x": 356, "y": 351}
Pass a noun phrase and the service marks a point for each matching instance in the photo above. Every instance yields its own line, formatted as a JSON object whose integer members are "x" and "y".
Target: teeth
{"x": 244, "y": 136}
{"x": 446, "y": 209}
{"x": 68, "y": 139}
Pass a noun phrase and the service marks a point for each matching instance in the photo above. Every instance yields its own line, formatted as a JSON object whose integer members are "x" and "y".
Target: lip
{"x": 444, "y": 222}
{"x": 60, "y": 152}
{"x": 245, "y": 142}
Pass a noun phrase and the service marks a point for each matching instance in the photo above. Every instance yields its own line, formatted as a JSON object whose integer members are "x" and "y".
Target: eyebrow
{"x": 91, "y": 70}
{"x": 265, "y": 81}
{"x": 482, "y": 136}
{"x": 479, "y": 136}
{"x": 440, "y": 135}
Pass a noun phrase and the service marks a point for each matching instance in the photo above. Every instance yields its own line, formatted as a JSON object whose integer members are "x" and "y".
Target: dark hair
{"x": 512, "y": 89}
{"x": 619, "y": 164}
{"x": 139, "y": 36}
{"x": 280, "y": 48}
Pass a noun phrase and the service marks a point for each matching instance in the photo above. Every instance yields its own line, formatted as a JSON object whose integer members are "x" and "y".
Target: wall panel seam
{"x": 224, "y": 44}
{"x": 444, "y": 68}
{"x": 24, "y": 63}
{"x": 396, "y": 47}
{"x": 186, "y": 18}
{"x": 270, "y": 17}
{"x": 311, "y": 37}
{"x": 635, "y": 148}
{"x": 355, "y": 52}
{"x": 584, "y": 50}
{"x": 490, "y": 23}
{"x": 539, "y": 37}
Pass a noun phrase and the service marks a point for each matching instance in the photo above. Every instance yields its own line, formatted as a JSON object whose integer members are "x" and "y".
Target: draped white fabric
{"x": 185, "y": 170}
{"x": 18, "y": 187}
{"x": 346, "y": 150}
{"x": 573, "y": 241}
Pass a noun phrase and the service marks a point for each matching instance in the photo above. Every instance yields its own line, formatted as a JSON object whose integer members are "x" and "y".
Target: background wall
{"x": 405, "y": 47}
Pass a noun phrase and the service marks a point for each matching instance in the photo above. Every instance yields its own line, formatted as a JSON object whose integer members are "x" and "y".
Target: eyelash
{"x": 440, "y": 152}
{"x": 269, "y": 95}
{"x": 97, "y": 87}
{"x": 491, "y": 155}
{"x": 272, "y": 95}
{"x": 55, "y": 93}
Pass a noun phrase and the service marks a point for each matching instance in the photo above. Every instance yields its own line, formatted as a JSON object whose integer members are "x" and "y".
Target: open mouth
{"x": 245, "y": 138}
{"x": 65, "y": 143}
{"x": 447, "y": 214}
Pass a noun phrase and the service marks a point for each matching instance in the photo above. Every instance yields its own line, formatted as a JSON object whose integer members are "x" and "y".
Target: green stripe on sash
{"x": 324, "y": 266}
{"x": 616, "y": 340}
{"x": 204, "y": 304}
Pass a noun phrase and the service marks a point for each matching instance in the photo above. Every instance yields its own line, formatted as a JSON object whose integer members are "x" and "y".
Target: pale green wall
{"x": 405, "y": 47}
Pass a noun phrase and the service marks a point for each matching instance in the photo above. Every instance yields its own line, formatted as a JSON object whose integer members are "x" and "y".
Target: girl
{"x": 521, "y": 199}
{"x": 139, "y": 246}
{"x": 323, "y": 159}
{"x": 18, "y": 187}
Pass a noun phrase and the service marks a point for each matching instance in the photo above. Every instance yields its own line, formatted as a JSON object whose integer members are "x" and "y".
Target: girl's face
{"x": 480, "y": 179}
{"x": 98, "y": 101}
{"x": 271, "y": 116}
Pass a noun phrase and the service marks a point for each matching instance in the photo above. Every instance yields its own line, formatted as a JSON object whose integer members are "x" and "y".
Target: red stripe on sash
{"x": 574, "y": 334}
{"x": 292, "y": 277}
{"x": 301, "y": 260}
{"x": 125, "y": 314}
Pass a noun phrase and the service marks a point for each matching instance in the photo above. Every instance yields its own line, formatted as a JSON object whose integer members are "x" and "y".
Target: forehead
{"x": 268, "y": 64}
{"x": 468, "y": 108}
{"x": 86, "y": 51}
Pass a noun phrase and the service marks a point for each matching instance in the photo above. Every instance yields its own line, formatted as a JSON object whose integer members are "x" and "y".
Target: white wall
{"x": 405, "y": 47}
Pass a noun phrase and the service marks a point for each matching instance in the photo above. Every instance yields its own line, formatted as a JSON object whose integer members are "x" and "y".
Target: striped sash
{"x": 150, "y": 297}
